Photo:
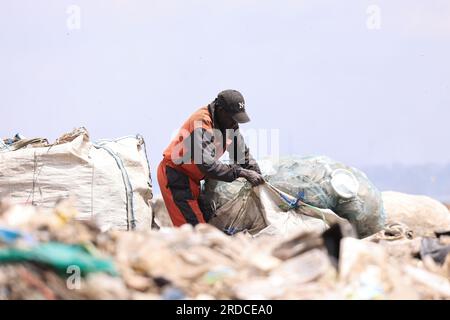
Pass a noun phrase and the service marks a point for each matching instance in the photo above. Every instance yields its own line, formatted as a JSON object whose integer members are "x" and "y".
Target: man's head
{"x": 230, "y": 108}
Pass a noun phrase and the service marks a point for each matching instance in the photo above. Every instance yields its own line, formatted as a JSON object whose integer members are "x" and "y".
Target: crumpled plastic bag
{"x": 267, "y": 210}
{"x": 319, "y": 182}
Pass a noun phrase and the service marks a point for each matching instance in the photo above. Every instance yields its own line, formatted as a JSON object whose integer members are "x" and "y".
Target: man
{"x": 193, "y": 156}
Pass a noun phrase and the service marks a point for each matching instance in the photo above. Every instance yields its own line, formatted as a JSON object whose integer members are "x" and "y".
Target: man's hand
{"x": 255, "y": 168}
{"x": 253, "y": 177}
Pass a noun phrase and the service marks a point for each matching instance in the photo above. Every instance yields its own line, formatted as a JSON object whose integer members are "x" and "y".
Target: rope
{"x": 295, "y": 203}
{"x": 131, "y": 221}
{"x": 3, "y": 146}
{"x": 141, "y": 138}
{"x": 138, "y": 137}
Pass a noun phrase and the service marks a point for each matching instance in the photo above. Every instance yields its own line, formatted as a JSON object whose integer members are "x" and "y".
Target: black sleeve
{"x": 240, "y": 153}
{"x": 204, "y": 157}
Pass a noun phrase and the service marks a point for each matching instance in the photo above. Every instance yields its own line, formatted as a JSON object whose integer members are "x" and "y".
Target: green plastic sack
{"x": 59, "y": 256}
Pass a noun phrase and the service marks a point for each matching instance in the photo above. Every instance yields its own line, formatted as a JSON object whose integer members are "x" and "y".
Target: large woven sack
{"x": 109, "y": 180}
{"x": 422, "y": 214}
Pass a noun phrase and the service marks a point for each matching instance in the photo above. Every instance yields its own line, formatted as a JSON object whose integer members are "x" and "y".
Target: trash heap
{"x": 47, "y": 254}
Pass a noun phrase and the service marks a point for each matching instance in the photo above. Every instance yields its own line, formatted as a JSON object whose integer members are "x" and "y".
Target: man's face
{"x": 225, "y": 120}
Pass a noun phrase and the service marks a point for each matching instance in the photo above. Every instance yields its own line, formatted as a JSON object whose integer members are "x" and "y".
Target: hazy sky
{"x": 312, "y": 69}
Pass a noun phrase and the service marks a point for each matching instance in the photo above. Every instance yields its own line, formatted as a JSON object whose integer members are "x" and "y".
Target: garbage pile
{"x": 48, "y": 254}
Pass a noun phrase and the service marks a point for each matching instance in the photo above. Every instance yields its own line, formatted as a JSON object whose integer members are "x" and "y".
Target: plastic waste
{"x": 172, "y": 293}
{"x": 265, "y": 210}
{"x": 218, "y": 274}
{"x": 59, "y": 256}
{"x": 202, "y": 262}
{"x": 316, "y": 181}
{"x": 432, "y": 247}
{"x": 10, "y": 236}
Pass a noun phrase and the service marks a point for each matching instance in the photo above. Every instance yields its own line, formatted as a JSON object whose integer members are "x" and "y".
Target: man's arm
{"x": 240, "y": 153}
{"x": 204, "y": 157}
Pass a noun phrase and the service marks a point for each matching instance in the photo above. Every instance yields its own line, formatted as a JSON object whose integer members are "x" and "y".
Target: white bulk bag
{"x": 109, "y": 180}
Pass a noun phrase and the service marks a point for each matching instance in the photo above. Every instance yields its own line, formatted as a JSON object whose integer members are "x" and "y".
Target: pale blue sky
{"x": 309, "y": 68}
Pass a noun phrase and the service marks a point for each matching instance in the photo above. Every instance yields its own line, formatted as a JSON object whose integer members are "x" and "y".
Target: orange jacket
{"x": 196, "y": 148}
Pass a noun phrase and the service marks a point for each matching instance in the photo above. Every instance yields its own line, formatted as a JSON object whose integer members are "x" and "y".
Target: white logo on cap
{"x": 241, "y": 105}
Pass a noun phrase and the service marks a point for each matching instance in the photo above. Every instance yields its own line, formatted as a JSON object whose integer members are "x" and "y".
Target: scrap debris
{"x": 44, "y": 256}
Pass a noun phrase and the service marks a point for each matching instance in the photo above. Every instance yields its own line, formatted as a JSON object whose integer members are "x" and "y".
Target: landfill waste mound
{"x": 48, "y": 254}
{"x": 317, "y": 181}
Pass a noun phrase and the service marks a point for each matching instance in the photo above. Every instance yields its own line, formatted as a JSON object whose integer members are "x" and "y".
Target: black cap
{"x": 233, "y": 102}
